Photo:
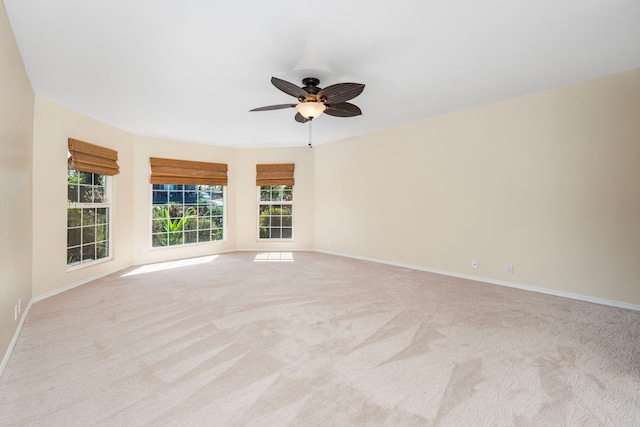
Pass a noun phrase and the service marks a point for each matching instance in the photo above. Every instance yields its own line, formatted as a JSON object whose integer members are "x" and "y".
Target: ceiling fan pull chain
{"x": 310, "y": 121}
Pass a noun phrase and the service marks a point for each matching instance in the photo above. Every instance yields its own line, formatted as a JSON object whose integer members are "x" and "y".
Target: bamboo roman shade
{"x": 87, "y": 157}
{"x": 169, "y": 171}
{"x": 280, "y": 174}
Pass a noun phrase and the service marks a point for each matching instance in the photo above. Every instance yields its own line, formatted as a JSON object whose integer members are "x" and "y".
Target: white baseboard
{"x": 275, "y": 250}
{"x": 579, "y": 297}
{"x": 14, "y": 340}
{"x": 75, "y": 285}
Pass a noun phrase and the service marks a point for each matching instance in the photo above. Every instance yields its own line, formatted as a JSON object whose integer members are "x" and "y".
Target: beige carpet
{"x": 318, "y": 340}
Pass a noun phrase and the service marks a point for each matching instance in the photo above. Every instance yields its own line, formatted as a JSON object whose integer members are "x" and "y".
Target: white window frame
{"x": 108, "y": 189}
{"x": 271, "y": 203}
{"x": 181, "y": 245}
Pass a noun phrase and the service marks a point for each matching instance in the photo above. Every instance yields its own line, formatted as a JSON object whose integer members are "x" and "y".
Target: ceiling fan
{"x": 315, "y": 101}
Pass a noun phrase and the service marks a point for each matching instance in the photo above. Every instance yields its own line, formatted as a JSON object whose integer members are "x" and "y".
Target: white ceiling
{"x": 191, "y": 70}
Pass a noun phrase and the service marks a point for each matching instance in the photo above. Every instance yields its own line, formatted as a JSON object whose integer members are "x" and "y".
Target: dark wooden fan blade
{"x": 274, "y": 107}
{"x": 301, "y": 119}
{"x": 343, "y": 109}
{"x": 289, "y": 88}
{"x": 340, "y": 92}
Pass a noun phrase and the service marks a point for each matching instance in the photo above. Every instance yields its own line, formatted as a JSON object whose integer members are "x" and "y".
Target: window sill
{"x": 88, "y": 264}
{"x": 188, "y": 245}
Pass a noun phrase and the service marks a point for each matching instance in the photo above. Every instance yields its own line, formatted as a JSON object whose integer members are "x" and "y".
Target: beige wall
{"x": 53, "y": 125}
{"x": 549, "y": 183}
{"x": 16, "y": 126}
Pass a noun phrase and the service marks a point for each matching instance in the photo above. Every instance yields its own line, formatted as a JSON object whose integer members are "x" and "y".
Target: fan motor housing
{"x": 311, "y": 85}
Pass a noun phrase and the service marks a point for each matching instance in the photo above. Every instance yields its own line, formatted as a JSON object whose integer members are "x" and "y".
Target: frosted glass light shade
{"x": 310, "y": 110}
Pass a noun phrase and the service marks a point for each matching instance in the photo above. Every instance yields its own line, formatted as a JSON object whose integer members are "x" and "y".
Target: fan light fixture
{"x": 310, "y": 110}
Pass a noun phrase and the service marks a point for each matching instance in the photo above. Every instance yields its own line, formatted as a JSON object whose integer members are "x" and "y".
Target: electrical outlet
{"x": 508, "y": 268}
{"x": 474, "y": 263}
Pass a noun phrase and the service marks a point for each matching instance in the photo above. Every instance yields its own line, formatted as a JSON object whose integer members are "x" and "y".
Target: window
{"x": 275, "y": 212}
{"x": 87, "y": 217}
{"x": 186, "y": 214}
{"x": 88, "y": 196}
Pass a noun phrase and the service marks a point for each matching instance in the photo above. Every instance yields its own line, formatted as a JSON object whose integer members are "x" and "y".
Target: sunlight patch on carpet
{"x": 274, "y": 257}
{"x": 151, "y": 268}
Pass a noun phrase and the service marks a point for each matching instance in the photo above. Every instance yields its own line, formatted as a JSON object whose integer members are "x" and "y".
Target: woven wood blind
{"x": 280, "y": 174}
{"x": 169, "y": 171}
{"x": 87, "y": 157}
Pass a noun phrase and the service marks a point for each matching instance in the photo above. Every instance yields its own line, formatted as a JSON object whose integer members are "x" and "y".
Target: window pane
{"x": 98, "y": 179}
{"x": 102, "y": 233}
{"x": 202, "y": 210}
{"x": 159, "y": 212}
{"x": 74, "y": 217}
{"x": 102, "y": 250}
{"x": 86, "y": 194}
{"x": 204, "y": 223}
{"x": 287, "y": 233}
{"x": 275, "y": 233}
{"x": 72, "y": 193}
{"x": 159, "y": 240}
{"x": 98, "y": 195}
{"x": 276, "y": 221}
{"x": 286, "y": 221}
{"x": 216, "y": 222}
{"x": 190, "y": 237}
{"x": 73, "y": 255}
{"x": 85, "y": 178}
{"x": 176, "y": 211}
{"x": 191, "y": 224}
{"x": 88, "y": 252}
{"x": 103, "y": 215}
{"x": 204, "y": 236}
{"x": 160, "y": 197}
{"x": 286, "y": 210}
{"x": 190, "y": 197}
{"x": 88, "y": 234}
{"x": 176, "y": 197}
{"x": 276, "y": 209}
{"x": 217, "y": 235}
{"x": 158, "y": 226}
{"x": 73, "y": 237}
{"x": 88, "y": 216}
{"x": 176, "y": 238}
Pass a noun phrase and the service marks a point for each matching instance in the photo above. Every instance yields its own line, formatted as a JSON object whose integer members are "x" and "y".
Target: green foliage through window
{"x": 275, "y": 220}
{"x": 87, "y": 218}
{"x": 186, "y": 214}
